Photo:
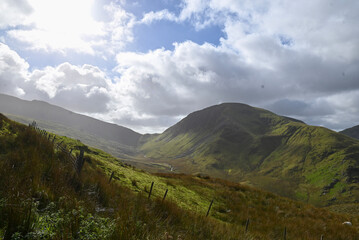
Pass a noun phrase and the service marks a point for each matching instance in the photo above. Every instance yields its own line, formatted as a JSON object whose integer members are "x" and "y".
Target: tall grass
{"x": 42, "y": 197}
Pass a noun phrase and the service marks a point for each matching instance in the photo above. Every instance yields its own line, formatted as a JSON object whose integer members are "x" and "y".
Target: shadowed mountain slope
{"x": 85, "y": 127}
{"x": 352, "y": 132}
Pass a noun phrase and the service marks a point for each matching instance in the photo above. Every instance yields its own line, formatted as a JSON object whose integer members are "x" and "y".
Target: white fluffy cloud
{"x": 14, "y": 12}
{"x": 83, "y": 89}
{"x": 192, "y": 76}
{"x": 79, "y": 88}
{"x": 13, "y": 71}
{"x": 63, "y": 25}
{"x": 164, "y": 14}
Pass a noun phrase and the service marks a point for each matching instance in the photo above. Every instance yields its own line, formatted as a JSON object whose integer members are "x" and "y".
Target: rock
{"x": 352, "y": 174}
{"x": 327, "y": 188}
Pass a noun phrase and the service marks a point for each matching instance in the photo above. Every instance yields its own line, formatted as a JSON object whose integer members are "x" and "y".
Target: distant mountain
{"x": 352, "y": 132}
{"x": 280, "y": 154}
{"x": 60, "y": 120}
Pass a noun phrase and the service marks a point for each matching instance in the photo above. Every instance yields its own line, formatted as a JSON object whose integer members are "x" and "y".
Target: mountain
{"x": 352, "y": 132}
{"x": 283, "y": 155}
{"x": 43, "y": 196}
{"x": 110, "y": 137}
{"x": 231, "y": 141}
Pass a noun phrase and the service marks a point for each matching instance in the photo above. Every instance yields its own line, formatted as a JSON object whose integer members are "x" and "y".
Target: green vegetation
{"x": 230, "y": 141}
{"x": 251, "y": 145}
{"x": 42, "y": 197}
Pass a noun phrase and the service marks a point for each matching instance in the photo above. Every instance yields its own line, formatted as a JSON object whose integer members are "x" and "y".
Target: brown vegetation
{"x": 43, "y": 197}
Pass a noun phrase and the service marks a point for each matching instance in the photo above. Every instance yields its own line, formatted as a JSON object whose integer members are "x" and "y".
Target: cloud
{"x": 83, "y": 89}
{"x": 120, "y": 28}
{"x": 192, "y": 76}
{"x": 14, "y": 12}
{"x": 13, "y": 72}
{"x": 300, "y": 108}
{"x": 62, "y": 26}
{"x": 164, "y": 14}
{"x": 268, "y": 58}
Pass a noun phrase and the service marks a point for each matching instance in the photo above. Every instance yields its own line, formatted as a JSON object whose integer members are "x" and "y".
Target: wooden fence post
{"x": 80, "y": 161}
{"x": 285, "y": 233}
{"x": 209, "y": 208}
{"x": 322, "y": 237}
{"x": 164, "y": 197}
{"x": 113, "y": 173}
{"x": 149, "y": 194}
{"x": 59, "y": 144}
{"x": 247, "y": 225}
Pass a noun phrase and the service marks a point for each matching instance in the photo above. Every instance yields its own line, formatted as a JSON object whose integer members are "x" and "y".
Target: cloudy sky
{"x": 147, "y": 64}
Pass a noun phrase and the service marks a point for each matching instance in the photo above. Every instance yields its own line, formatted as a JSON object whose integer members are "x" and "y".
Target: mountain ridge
{"x": 44, "y": 112}
{"x": 283, "y": 155}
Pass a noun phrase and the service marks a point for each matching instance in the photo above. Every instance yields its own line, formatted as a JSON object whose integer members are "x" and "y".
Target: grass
{"x": 241, "y": 144}
{"x": 277, "y": 154}
{"x": 42, "y": 197}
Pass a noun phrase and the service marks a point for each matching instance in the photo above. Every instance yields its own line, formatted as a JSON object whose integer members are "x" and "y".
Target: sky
{"x": 147, "y": 64}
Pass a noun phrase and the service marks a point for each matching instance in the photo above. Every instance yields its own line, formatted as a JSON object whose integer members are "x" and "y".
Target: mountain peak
{"x": 229, "y": 115}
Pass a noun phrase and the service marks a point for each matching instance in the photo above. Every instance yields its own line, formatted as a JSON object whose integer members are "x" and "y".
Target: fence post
{"x": 209, "y": 209}
{"x": 247, "y": 224}
{"x": 322, "y": 237}
{"x": 80, "y": 161}
{"x": 164, "y": 197}
{"x": 112, "y": 174}
{"x": 149, "y": 194}
{"x": 285, "y": 233}
{"x": 59, "y": 144}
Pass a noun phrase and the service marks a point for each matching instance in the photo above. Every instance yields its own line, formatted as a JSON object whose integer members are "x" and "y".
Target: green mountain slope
{"x": 119, "y": 140}
{"x": 352, "y": 132}
{"x": 279, "y": 154}
{"x": 42, "y": 197}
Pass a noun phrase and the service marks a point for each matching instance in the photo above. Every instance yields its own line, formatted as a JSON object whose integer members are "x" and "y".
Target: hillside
{"x": 230, "y": 141}
{"x": 279, "y": 154}
{"x": 352, "y": 132}
{"x": 120, "y": 140}
{"x": 42, "y": 197}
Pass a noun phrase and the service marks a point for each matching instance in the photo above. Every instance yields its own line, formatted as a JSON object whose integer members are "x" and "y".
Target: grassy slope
{"x": 70, "y": 201}
{"x": 253, "y": 145}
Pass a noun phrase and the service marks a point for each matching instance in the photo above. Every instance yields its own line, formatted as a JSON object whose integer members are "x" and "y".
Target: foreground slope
{"x": 279, "y": 154}
{"x": 42, "y": 197}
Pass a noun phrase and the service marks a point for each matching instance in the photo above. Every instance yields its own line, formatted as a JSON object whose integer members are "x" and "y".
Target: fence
{"x": 77, "y": 162}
